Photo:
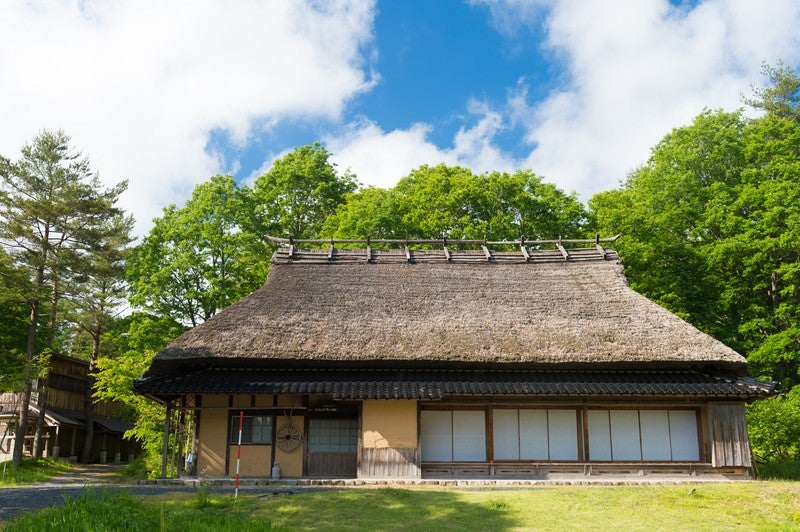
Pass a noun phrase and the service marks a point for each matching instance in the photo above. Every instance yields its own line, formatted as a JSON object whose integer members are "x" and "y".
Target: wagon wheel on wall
{"x": 288, "y": 437}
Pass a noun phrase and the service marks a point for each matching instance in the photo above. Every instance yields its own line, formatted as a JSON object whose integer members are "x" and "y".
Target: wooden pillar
{"x": 165, "y": 444}
{"x": 73, "y": 441}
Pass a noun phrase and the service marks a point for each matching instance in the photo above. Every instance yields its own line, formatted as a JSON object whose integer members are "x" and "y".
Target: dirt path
{"x": 16, "y": 500}
{"x": 81, "y": 480}
{"x": 88, "y": 474}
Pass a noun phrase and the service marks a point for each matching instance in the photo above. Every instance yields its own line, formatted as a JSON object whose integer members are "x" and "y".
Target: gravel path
{"x": 17, "y": 500}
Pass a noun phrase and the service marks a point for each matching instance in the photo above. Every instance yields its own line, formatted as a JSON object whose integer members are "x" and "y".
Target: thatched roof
{"x": 558, "y": 307}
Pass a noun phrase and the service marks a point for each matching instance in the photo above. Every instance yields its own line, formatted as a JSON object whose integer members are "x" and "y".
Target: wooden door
{"x": 332, "y": 448}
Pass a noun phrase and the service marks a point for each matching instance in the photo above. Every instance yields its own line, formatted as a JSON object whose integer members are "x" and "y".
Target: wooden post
{"x": 165, "y": 444}
{"x": 238, "y": 454}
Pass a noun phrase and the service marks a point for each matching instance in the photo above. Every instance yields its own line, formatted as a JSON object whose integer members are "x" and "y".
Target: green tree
{"x": 201, "y": 258}
{"x": 455, "y": 203}
{"x": 14, "y": 291}
{"x": 781, "y": 97}
{"x": 711, "y": 229}
{"x": 51, "y": 204}
{"x": 300, "y": 191}
{"x": 133, "y": 341}
{"x": 664, "y": 211}
{"x": 114, "y": 382}
{"x": 369, "y": 212}
{"x": 97, "y": 294}
{"x": 140, "y": 331}
{"x": 774, "y": 427}
{"x": 763, "y": 224}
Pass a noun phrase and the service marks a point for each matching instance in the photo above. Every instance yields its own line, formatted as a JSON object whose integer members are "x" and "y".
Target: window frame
{"x": 233, "y": 428}
{"x": 672, "y": 443}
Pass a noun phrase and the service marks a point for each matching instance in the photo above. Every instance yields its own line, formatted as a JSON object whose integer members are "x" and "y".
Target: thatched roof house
{"x": 438, "y": 322}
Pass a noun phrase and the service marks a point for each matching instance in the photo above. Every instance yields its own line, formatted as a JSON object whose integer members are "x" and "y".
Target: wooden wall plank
{"x": 388, "y": 462}
{"x": 730, "y": 445}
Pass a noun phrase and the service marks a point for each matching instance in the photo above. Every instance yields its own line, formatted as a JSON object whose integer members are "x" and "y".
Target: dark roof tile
{"x": 439, "y": 384}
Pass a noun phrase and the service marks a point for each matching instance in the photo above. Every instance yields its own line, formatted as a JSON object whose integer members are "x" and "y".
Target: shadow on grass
{"x": 335, "y": 509}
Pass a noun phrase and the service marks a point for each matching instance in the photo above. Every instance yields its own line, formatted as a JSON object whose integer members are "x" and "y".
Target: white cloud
{"x": 140, "y": 84}
{"x": 379, "y": 158}
{"x": 474, "y": 146}
{"x": 636, "y": 70}
{"x": 382, "y": 158}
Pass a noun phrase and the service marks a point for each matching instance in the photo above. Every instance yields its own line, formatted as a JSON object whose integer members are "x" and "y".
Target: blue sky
{"x": 167, "y": 94}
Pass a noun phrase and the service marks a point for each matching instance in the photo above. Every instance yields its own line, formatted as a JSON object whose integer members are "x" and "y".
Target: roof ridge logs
{"x": 445, "y": 250}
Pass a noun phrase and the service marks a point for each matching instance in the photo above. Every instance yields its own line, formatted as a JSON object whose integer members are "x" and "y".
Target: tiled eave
{"x": 437, "y": 384}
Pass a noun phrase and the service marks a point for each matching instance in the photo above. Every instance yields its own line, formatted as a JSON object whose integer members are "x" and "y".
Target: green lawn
{"x": 743, "y": 505}
{"x": 31, "y": 471}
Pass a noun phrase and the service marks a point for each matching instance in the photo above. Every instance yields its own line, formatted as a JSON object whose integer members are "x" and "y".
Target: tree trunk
{"x": 38, "y": 448}
{"x": 22, "y": 425}
{"x": 88, "y": 404}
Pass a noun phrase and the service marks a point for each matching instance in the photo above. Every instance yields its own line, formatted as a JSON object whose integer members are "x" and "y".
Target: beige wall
{"x": 389, "y": 423}
{"x": 291, "y": 462}
{"x": 255, "y": 460}
{"x": 213, "y": 436}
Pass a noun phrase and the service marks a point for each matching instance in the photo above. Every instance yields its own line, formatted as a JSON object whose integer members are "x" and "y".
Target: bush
{"x": 774, "y": 428}
{"x": 789, "y": 470}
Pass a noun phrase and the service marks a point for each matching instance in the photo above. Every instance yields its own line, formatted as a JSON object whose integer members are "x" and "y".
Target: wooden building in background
{"x": 63, "y": 393}
{"x": 443, "y": 359}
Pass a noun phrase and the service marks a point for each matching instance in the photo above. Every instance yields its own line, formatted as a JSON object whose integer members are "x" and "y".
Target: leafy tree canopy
{"x": 53, "y": 212}
{"x": 200, "y": 258}
{"x": 781, "y": 96}
{"x": 300, "y": 191}
{"x": 453, "y": 202}
{"x": 711, "y": 227}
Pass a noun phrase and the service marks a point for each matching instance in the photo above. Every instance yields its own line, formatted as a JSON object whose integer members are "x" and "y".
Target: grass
{"x": 114, "y": 509}
{"x": 31, "y": 471}
{"x": 742, "y": 505}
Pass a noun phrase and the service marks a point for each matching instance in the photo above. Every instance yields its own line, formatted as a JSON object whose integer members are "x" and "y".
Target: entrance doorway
{"x": 332, "y": 448}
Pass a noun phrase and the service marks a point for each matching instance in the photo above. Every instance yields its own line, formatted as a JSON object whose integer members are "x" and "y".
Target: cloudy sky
{"x": 167, "y": 94}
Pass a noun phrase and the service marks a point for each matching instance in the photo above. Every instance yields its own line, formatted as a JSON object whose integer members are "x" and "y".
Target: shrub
{"x": 774, "y": 427}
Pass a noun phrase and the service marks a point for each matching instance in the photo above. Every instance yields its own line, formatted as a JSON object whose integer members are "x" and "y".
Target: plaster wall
{"x": 291, "y": 462}
{"x": 389, "y": 424}
{"x": 255, "y": 460}
{"x": 213, "y": 436}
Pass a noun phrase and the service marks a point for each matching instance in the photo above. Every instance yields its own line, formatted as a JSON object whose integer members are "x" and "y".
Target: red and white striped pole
{"x": 238, "y": 454}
